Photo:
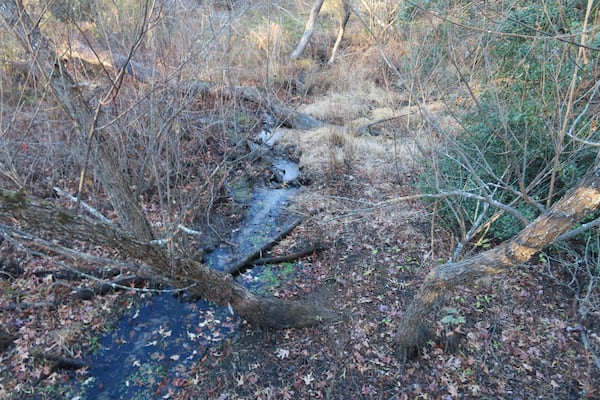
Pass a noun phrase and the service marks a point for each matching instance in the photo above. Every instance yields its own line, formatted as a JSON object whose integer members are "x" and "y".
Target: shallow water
{"x": 153, "y": 347}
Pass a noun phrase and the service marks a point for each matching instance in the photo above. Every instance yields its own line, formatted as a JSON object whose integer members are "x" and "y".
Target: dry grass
{"x": 336, "y": 150}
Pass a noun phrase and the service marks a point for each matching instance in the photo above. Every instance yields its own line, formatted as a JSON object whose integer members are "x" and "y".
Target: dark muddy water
{"x": 152, "y": 349}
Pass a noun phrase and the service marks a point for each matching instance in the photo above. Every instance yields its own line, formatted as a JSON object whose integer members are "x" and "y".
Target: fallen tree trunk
{"x": 202, "y": 281}
{"x": 110, "y": 60}
{"x": 577, "y": 203}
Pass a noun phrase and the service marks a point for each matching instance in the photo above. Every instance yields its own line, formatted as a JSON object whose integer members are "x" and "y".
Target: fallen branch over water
{"x": 239, "y": 267}
{"x": 202, "y": 281}
{"x": 289, "y": 257}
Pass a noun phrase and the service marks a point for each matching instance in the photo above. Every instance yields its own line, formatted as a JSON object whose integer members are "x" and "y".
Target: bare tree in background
{"x": 381, "y": 16}
{"x": 343, "y": 10}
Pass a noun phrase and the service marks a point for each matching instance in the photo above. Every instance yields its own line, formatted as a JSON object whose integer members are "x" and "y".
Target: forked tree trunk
{"x": 577, "y": 203}
{"x": 344, "y": 11}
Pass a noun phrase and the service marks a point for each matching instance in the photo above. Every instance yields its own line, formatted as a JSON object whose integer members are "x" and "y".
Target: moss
{"x": 11, "y": 200}
{"x": 63, "y": 217}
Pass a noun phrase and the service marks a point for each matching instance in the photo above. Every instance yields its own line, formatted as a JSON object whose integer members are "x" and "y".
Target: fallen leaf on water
{"x": 282, "y": 353}
{"x": 308, "y": 378}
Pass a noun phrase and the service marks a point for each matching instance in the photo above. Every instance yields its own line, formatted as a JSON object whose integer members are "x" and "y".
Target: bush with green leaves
{"x": 510, "y": 138}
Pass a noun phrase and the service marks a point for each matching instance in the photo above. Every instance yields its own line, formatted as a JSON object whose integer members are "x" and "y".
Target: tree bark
{"x": 308, "y": 30}
{"x": 219, "y": 287}
{"x": 543, "y": 231}
{"x": 48, "y": 68}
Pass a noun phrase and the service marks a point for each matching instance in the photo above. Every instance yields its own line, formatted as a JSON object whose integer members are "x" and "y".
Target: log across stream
{"x": 160, "y": 339}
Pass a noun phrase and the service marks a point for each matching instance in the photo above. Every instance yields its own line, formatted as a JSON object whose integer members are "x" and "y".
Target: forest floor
{"x": 516, "y": 337}
{"x": 513, "y": 337}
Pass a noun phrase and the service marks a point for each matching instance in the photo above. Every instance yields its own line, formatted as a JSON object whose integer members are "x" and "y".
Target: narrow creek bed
{"x": 149, "y": 351}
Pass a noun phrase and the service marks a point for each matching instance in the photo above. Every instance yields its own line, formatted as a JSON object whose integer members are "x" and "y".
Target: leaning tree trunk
{"x": 48, "y": 67}
{"x": 206, "y": 283}
{"x": 216, "y": 286}
{"x": 543, "y": 231}
{"x": 308, "y": 30}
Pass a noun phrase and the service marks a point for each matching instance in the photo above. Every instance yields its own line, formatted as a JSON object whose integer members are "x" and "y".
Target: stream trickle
{"x": 155, "y": 344}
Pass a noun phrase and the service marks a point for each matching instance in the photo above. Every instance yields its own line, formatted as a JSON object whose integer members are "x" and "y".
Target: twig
{"x": 122, "y": 283}
{"x": 581, "y": 229}
{"x": 586, "y": 345}
{"x": 28, "y": 306}
{"x": 189, "y": 231}
{"x": 454, "y": 193}
{"x": 54, "y": 247}
{"x": 239, "y": 266}
{"x": 85, "y": 205}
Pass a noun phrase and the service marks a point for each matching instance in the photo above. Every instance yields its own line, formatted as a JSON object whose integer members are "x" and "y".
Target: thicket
{"x": 521, "y": 82}
{"x": 523, "y": 140}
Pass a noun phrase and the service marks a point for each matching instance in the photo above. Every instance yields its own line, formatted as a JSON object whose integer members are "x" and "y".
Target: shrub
{"x": 510, "y": 137}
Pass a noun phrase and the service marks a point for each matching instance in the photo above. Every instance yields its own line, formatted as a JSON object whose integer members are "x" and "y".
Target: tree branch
{"x": 202, "y": 281}
{"x": 544, "y": 230}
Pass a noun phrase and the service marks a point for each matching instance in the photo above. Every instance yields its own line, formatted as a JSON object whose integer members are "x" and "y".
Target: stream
{"x": 153, "y": 346}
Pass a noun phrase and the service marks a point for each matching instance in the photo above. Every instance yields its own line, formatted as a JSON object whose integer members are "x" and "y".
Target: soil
{"x": 514, "y": 337}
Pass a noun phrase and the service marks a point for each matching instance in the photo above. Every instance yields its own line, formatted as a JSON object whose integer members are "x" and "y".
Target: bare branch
{"x": 540, "y": 34}
{"x": 85, "y": 205}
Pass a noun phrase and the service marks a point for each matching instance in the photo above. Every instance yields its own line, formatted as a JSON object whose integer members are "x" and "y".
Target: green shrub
{"x": 509, "y": 137}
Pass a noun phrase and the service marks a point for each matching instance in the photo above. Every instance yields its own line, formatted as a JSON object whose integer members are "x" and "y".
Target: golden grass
{"x": 335, "y": 147}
